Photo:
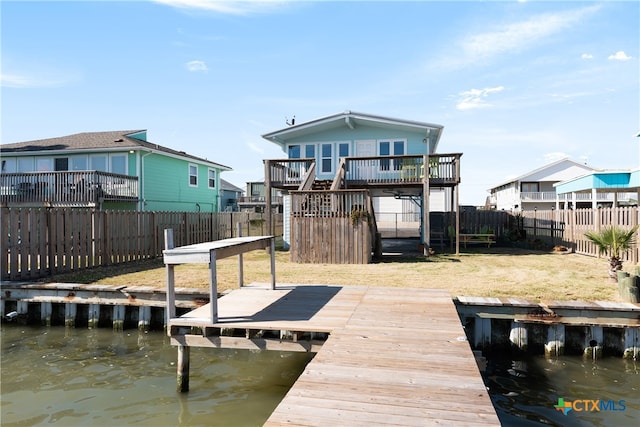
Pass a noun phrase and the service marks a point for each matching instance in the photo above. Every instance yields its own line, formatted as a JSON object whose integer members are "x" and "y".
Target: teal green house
{"x": 108, "y": 170}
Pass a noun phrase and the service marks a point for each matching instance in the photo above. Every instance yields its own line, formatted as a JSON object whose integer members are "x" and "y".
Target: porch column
{"x": 267, "y": 198}
{"x": 426, "y": 226}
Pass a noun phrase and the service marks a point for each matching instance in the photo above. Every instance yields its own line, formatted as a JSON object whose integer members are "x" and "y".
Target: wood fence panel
{"x": 37, "y": 243}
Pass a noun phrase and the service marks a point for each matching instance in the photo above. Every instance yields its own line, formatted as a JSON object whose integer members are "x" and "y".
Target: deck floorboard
{"x": 393, "y": 357}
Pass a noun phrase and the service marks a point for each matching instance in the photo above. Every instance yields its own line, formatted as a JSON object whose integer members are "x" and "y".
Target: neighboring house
{"x": 382, "y": 156}
{"x": 108, "y": 170}
{"x": 254, "y": 199}
{"x": 535, "y": 189}
{"x": 600, "y": 189}
{"x": 229, "y": 196}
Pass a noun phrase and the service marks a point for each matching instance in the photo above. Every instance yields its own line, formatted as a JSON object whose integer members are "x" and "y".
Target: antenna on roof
{"x": 293, "y": 121}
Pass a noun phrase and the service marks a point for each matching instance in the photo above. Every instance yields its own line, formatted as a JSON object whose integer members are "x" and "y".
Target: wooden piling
{"x": 144, "y": 318}
{"x": 594, "y": 338}
{"x": 70, "y": 311}
{"x": 45, "y": 313}
{"x": 482, "y": 332}
{"x": 94, "y": 315}
{"x": 183, "y": 368}
{"x": 118, "y": 317}
{"x": 555, "y": 340}
{"x": 518, "y": 336}
{"x": 632, "y": 343}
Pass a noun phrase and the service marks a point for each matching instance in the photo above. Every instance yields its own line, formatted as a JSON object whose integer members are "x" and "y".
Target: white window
{"x": 119, "y": 164}
{"x": 8, "y": 165}
{"x": 294, "y": 151}
{"x": 99, "y": 163}
{"x": 343, "y": 149}
{"x": 44, "y": 165}
{"x": 326, "y": 158}
{"x": 78, "y": 163}
{"x": 193, "y": 175}
{"x": 391, "y": 148}
{"x": 212, "y": 178}
{"x": 25, "y": 164}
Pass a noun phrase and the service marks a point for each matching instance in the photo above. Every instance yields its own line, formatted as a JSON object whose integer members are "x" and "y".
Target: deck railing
{"x": 70, "y": 188}
{"x": 408, "y": 169}
{"x": 288, "y": 172}
{"x": 377, "y": 170}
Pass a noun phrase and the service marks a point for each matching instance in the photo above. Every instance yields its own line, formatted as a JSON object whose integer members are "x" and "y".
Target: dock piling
{"x": 70, "y": 311}
{"x": 94, "y": 316}
{"x": 45, "y": 313}
{"x": 555, "y": 340}
{"x": 183, "y": 368}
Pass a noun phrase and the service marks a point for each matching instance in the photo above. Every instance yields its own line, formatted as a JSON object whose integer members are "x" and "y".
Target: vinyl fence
{"x": 38, "y": 243}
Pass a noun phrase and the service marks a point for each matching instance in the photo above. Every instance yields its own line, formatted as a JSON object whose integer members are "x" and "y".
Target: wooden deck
{"x": 392, "y": 357}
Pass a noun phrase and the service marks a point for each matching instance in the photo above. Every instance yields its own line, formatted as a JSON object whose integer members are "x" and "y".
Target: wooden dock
{"x": 392, "y": 357}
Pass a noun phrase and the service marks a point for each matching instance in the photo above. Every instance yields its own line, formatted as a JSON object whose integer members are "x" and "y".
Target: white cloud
{"x": 197, "y": 66}
{"x": 476, "y": 98}
{"x": 230, "y": 7}
{"x": 587, "y": 56}
{"x": 255, "y": 147}
{"x": 516, "y": 36}
{"x": 24, "y": 81}
{"x": 619, "y": 56}
{"x": 555, "y": 156}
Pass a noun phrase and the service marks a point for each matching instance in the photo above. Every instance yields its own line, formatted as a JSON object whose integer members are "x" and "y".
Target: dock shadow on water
{"x": 566, "y": 391}
{"x": 98, "y": 377}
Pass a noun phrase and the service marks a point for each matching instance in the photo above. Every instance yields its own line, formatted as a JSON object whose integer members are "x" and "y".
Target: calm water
{"x": 82, "y": 377}
{"x": 524, "y": 392}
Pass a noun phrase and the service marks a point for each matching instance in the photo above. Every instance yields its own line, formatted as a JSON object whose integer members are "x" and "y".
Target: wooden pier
{"x": 385, "y": 356}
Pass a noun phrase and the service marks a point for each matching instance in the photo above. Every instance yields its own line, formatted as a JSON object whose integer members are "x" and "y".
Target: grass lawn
{"x": 481, "y": 272}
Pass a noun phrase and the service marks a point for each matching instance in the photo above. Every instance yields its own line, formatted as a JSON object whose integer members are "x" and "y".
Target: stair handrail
{"x": 338, "y": 180}
{"x": 310, "y": 177}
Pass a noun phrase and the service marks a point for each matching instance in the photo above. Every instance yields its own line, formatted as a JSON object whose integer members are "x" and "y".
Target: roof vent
{"x": 118, "y": 140}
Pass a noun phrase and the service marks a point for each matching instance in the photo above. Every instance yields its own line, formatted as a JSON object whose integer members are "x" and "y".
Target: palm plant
{"x": 614, "y": 242}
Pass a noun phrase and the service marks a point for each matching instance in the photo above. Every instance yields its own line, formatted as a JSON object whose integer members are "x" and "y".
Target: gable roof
{"x": 227, "y": 186}
{"x": 531, "y": 174}
{"x": 351, "y": 119}
{"x": 94, "y": 141}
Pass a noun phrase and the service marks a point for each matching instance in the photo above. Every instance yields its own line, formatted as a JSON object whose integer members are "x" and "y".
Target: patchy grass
{"x": 499, "y": 272}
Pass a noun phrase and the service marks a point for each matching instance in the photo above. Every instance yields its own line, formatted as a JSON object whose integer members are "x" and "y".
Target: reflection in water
{"x": 97, "y": 377}
{"x": 525, "y": 392}
{"x": 84, "y": 377}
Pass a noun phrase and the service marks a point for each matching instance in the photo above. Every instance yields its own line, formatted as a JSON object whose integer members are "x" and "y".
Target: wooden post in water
{"x": 118, "y": 318}
{"x": 94, "y": 315}
{"x": 70, "y": 310}
{"x": 594, "y": 338}
{"x": 632, "y": 343}
{"x": 144, "y": 317}
{"x": 183, "y": 368}
{"x": 482, "y": 332}
{"x": 45, "y": 313}
{"x": 518, "y": 335}
{"x": 555, "y": 340}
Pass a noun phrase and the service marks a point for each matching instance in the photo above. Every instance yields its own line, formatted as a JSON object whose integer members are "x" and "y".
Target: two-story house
{"x": 370, "y": 156}
{"x": 255, "y": 199}
{"x": 535, "y": 189}
{"x": 229, "y": 196}
{"x": 107, "y": 170}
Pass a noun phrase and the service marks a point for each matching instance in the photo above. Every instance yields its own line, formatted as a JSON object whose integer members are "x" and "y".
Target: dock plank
{"x": 393, "y": 357}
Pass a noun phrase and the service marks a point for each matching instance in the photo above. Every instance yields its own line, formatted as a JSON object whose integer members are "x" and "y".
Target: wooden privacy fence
{"x": 568, "y": 226}
{"x": 38, "y": 243}
{"x": 333, "y": 227}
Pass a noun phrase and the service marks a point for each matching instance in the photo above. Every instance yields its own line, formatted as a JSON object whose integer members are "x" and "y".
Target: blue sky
{"x": 516, "y": 84}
